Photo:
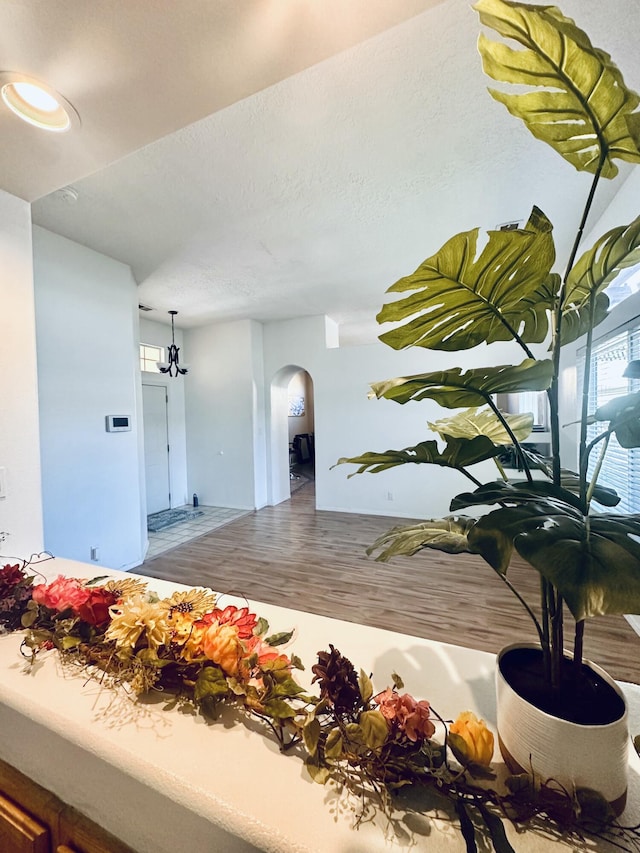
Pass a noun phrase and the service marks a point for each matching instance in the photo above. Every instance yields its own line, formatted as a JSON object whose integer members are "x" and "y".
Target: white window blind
{"x": 609, "y": 358}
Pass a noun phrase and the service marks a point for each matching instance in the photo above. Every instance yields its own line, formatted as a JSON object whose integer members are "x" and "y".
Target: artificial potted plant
{"x": 560, "y": 520}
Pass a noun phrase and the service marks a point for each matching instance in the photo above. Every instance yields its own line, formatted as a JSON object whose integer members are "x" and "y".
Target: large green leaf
{"x": 455, "y": 389}
{"x": 601, "y": 494}
{"x": 576, "y": 319}
{"x": 614, "y": 251}
{"x": 442, "y": 534}
{"x": 581, "y": 106}
{"x": 462, "y": 301}
{"x": 473, "y": 422}
{"x": 458, "y": 453}
{"x": 623, "y": 414}
{"x": 539, "y": 492}
{"x": 570, "y": 480}
{"x": 593, "y": 561}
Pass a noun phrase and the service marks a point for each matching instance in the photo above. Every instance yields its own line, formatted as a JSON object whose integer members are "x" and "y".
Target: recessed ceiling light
{"x": 36, "y": 102}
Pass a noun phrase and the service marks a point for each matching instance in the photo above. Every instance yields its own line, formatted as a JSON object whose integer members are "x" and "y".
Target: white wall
{"x": 347, "y": 423}
{"x": 159, "y": 334}
{"x": 20, "y": 510}
{"x": 259, "y": 406}
{"x": 223, "y": 401}
{"x": 87, "y": 328}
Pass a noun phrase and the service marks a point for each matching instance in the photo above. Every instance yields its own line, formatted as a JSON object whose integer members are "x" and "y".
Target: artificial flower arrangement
{"x": 372, "y": 745}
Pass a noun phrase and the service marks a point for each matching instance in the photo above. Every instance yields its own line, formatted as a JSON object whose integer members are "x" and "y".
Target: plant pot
{"x": 574, "y": 754}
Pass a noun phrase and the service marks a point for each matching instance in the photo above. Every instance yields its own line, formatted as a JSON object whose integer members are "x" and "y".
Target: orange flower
{"x": 477, "y": 738}
{"x": 221, "y": 644}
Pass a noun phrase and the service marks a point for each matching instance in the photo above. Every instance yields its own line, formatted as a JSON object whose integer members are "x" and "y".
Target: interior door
{"x": 156, "y": 447}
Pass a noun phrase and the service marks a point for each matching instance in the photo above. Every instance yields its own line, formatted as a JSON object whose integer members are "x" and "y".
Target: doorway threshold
{"x": 211, "y": 517}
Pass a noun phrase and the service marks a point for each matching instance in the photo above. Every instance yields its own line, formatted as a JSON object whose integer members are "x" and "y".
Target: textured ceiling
{"x": 312, "y": 187}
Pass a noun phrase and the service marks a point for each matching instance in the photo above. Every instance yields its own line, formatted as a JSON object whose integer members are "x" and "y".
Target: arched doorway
{"x": 291, "y": 427}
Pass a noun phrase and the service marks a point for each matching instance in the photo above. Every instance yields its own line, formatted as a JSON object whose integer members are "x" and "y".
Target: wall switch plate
{"x": 95, "y": 553}
{"x": 3, "y": 482}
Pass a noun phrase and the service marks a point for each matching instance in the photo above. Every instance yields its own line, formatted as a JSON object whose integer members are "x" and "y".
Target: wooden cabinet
{"x": 33, "y": 820}
{"x": 19, "y": 832}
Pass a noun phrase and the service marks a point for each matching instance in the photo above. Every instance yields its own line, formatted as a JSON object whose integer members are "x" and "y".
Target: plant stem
{"x": 539, "y": 629}
{"x": 596, "y": 472}
{"x": 557, "y": 639}
{"x": 578, "y": 646}
{"x": 553, "y": 390}
{"x": 511, "y": 435}
{"x": 503, "y": 473}
{"x": 545, "y": 589}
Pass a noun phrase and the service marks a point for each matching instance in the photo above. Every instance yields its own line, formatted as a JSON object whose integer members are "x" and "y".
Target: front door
{"x": 156, "y": 447}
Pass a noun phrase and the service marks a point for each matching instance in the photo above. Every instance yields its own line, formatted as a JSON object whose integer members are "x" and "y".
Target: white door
{"x": 156, "y": 447}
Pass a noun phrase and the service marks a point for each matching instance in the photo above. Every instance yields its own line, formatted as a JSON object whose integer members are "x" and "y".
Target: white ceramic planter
{"x": 576, "y": 756}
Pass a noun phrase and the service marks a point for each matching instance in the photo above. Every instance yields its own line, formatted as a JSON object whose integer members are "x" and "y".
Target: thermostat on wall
{"x": 118, "y": 423}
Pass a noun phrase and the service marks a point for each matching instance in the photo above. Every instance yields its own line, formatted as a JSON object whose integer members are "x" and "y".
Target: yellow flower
{"x": 136, "y": 617}
{"x": 193, "y": 603}
{"x": 125, "y": 588}
{"x": 478, "y": 740}
{"x": 222, "y": 645}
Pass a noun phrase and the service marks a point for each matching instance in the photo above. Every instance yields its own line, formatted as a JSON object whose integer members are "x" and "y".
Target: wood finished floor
{"x": 292, "y": 556}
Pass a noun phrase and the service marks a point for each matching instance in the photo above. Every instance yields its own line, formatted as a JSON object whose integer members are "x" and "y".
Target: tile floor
{"x": 177, "y": 534}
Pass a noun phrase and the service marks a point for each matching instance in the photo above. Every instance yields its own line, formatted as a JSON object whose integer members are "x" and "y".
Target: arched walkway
{"x": 279, "y": 439}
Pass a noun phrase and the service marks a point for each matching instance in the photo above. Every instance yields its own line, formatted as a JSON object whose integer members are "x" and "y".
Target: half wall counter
{"x": 163, "y": 779}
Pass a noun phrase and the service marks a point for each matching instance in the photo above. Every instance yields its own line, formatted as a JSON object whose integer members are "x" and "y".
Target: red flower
{"x": 240, "y": 618}
{"x": 10, "y": 577}
{"x": 95, "y": 610}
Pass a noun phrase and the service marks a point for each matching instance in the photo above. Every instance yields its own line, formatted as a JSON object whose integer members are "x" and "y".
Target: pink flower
{"x": 265, "y": 653}
{"x": 410, "y": 716}
{"x": 61, "y": 594}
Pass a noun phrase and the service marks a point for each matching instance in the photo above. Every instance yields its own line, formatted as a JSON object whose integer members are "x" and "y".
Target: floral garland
{"x": 373, "y": 745}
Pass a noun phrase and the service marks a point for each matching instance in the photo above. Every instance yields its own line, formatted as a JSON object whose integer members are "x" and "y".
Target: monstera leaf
{"x": 623, "y": 414}
{"x": 459, "y": 453}
{"x": 593, "y": 561}
{"x": 535, "y": 492}
{"x": 443, "y": 534}
{"x": 455, "y": 389}
{"x": 601, "y": 494}
{"x": 462, "y": 301}
{"x": 596, "y": 269}
{"x": 475, "y": 421}
{"x": 576, "y": 319}
{"x": 582, "y": 107}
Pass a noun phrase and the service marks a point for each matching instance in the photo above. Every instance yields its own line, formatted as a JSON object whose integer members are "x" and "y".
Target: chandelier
{"x": 174, "y": 360}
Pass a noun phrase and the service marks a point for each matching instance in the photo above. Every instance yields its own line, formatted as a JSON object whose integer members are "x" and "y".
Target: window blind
{"x": 609, "y": 358}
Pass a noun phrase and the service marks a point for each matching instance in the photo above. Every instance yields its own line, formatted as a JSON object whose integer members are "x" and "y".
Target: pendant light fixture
{"x": 174, "y": 361}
